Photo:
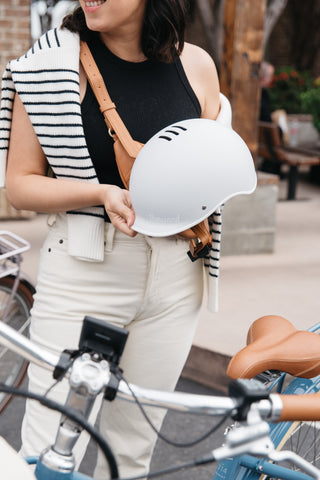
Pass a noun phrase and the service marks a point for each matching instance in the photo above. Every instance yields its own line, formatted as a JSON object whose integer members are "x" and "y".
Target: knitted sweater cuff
{"x": 213, "y": 297}
{"x": 3, "y": 159}
{"x": 86, "y": 237}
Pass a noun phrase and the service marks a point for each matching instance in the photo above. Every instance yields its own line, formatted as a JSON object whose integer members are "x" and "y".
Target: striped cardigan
{"x": 47, "y": 81}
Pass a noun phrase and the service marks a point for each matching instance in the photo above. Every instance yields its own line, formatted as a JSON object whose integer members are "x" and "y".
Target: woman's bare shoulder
{"x": 196, "y": 56}
{"x": 202, "y": 75}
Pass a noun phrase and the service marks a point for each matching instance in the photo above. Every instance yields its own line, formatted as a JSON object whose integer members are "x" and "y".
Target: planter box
{"x": 248, "y": 221}
{"x": 304, "y": 130}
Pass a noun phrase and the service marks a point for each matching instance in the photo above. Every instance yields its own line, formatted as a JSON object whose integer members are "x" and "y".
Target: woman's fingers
{"x": 119, "y": 208}
{"x": 123, "y": 223}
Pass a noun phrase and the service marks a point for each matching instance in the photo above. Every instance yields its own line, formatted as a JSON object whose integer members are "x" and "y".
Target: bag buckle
{"x": 198, "y": 250}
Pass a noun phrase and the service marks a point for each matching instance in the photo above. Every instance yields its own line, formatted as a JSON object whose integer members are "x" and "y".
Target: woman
{"x": 92, "y": 262}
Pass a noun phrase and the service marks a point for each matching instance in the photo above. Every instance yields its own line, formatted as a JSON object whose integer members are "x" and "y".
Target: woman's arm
{"x": 29, "y": 188}
{"x": 202, "y": 75}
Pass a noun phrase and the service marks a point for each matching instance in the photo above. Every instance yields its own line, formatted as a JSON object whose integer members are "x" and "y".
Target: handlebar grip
{"x": 300, "y": 407}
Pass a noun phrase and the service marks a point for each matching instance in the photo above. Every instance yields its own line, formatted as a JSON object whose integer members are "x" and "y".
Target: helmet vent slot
{"x": 179, "y": 126}
{"x": 172, "y": 131}
{"x": 165, "y": 138}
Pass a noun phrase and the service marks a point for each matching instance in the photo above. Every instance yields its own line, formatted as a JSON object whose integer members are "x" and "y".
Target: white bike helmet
{"x": 185, "y": 172}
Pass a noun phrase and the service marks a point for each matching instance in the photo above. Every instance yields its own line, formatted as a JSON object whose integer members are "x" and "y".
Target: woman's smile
{"x": 92, "y": 6}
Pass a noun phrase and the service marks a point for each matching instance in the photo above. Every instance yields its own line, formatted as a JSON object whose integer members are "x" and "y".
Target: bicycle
{"x": 94, "y": 368}
{"x": 293, "y": 435}
{"x": 16, "y": 299}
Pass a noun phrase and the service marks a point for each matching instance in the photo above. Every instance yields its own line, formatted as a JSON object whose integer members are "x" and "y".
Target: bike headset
{"x": 185, "y": 172}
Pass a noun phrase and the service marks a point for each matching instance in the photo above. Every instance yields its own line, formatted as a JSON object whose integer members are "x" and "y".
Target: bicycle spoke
{"x": 314, "y": 443}
{"x": 17, "y": 313}
{"x": 305, "y": 441}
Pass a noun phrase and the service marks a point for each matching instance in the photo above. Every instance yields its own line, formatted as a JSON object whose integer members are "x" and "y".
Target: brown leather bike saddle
{"x": 273, "y": 343}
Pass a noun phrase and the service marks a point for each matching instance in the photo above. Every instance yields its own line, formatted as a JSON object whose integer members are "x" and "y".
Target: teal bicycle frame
{"x": 44, "y": 473}
{"x": 247, "y": 467}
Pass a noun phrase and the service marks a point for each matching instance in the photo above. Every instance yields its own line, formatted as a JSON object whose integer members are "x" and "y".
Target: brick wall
{"x": 14, "y": 29}
{"x": 14, "y": 41}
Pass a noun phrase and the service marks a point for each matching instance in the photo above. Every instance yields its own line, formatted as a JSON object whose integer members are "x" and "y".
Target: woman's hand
{"x": 118, "y": 206}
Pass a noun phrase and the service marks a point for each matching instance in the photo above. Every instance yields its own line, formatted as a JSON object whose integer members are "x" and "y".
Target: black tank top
{"x": 149, "y": 96}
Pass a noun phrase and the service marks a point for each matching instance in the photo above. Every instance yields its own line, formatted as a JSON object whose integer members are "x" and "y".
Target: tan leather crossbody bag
{"x": 126, "y": 149}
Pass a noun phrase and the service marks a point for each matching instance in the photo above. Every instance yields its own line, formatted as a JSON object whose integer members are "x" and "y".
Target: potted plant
{"x": 311, "y": 102}
{"x": 296, "y": 92}
{"x": 286, "y": 88}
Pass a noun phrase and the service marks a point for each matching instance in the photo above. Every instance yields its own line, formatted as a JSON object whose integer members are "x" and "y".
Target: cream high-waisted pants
{"x": 147, "y": 285}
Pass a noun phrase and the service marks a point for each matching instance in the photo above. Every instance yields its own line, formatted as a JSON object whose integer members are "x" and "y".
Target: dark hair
{"x": 162, "y": 33}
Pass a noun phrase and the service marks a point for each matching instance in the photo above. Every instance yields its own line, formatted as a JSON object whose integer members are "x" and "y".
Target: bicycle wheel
{"x": 12, "y": 366}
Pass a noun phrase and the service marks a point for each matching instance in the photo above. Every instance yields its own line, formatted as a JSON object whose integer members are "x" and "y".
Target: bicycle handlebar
{"x": 300, "y": 407}
{"x": 21, "y": 345}
{"x": 179, "y": 401}
{"x": 277, "y": 408}
{"x": 183, "y": 402}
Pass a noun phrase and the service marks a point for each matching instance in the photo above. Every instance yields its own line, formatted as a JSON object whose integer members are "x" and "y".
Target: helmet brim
{"x": 159, "y": 228}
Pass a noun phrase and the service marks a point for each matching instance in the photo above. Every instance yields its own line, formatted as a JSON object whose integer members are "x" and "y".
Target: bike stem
{"x": 88, "y": 377}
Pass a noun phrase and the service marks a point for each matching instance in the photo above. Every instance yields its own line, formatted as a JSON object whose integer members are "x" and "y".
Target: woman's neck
{"x": 125, "y": 47}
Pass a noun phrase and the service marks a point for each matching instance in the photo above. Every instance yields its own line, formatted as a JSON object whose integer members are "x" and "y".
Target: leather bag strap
{"x": 107, "y": 107}
{"x": 201, "y": 247}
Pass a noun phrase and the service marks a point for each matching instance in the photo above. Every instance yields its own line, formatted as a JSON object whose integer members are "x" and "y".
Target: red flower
{"x": 293, "y": 73}
{"x": 284, "y": 76}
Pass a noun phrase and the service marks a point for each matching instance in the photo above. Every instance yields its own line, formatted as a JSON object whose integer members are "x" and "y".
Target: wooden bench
{"x": 271, "y": 148}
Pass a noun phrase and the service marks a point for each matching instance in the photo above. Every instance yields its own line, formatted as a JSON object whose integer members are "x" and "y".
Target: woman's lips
{"x": 93, "y": 6}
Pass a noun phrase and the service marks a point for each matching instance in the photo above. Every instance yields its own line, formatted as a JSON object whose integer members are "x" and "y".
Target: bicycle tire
{"x": 13, "y": 367}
